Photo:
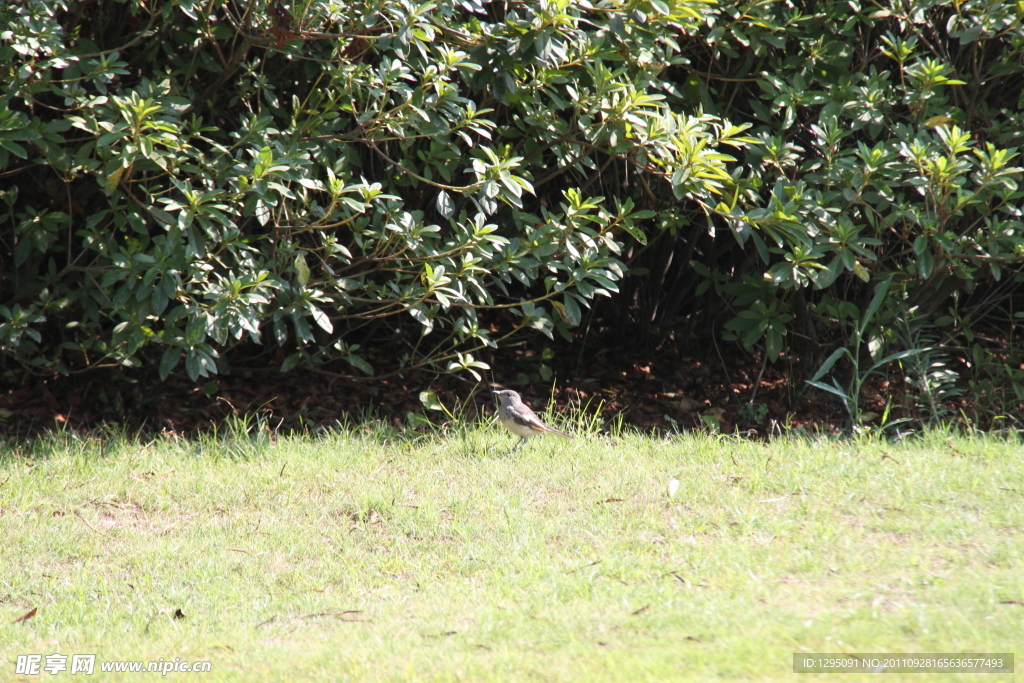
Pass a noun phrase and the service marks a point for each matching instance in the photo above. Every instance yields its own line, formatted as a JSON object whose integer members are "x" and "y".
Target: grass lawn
{"x": 358, "y": 557}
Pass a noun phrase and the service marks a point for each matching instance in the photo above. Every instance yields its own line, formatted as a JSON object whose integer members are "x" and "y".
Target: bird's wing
{"x": 528, "y": 420}
{"x": 531, "y": 420}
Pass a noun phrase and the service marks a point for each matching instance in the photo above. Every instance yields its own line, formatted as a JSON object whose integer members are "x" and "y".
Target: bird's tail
{"x": 552, "y": 429}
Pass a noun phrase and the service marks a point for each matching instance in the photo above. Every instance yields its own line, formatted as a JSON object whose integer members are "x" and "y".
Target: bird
{"x": 517, "y": 417}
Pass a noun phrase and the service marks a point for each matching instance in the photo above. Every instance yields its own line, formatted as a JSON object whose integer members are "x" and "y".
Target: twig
{"x": 725, "y": 367}
{"x": 757, "y": 382}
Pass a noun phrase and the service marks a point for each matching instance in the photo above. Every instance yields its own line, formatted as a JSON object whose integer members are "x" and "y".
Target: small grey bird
{"x": 517, "y": 417}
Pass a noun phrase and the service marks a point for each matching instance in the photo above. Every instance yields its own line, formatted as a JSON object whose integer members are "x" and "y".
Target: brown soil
{"x": 663, "y": 391}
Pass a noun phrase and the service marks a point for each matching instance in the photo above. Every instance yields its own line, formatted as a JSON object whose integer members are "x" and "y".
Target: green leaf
{"x": 445, "y": 205}
{"x": 838, "y": 391}
{"x": 358, "y": 363}
{"x": 636, "y": 232}
{"x": 301, "y": 269}
{"x": 112, "y": 180}
{"x": 169, "y": 360}
{"x": 829, "y": 362}
{"x": 773, "y": 343}
{"x": 14, "y": 148}
{"x": 291, "y": 362}
{"x": 881, "y": 290}
{"x": 321, "y": 319}
{"x": 660, "y": 7}
{"x": 570, "y": 310}
{"x": 428, "y": 399}
{"x": 925, "y": 263}
{"x": 899, "y": 355}
{"x": 193, "y": 367}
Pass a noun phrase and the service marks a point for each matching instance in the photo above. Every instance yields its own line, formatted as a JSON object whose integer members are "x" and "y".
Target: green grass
{"x": 356, "y": 557}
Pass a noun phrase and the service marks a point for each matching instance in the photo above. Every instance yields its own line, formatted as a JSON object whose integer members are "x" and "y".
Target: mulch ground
{"x": 663, "y": 389}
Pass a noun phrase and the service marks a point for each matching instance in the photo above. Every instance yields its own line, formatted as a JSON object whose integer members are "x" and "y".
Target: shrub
{"x": 185, "y": 180}
{"x": 188, "y": 177}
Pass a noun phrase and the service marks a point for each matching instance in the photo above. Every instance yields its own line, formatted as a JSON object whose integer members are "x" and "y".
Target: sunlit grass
{"x": 369, "y": 555}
